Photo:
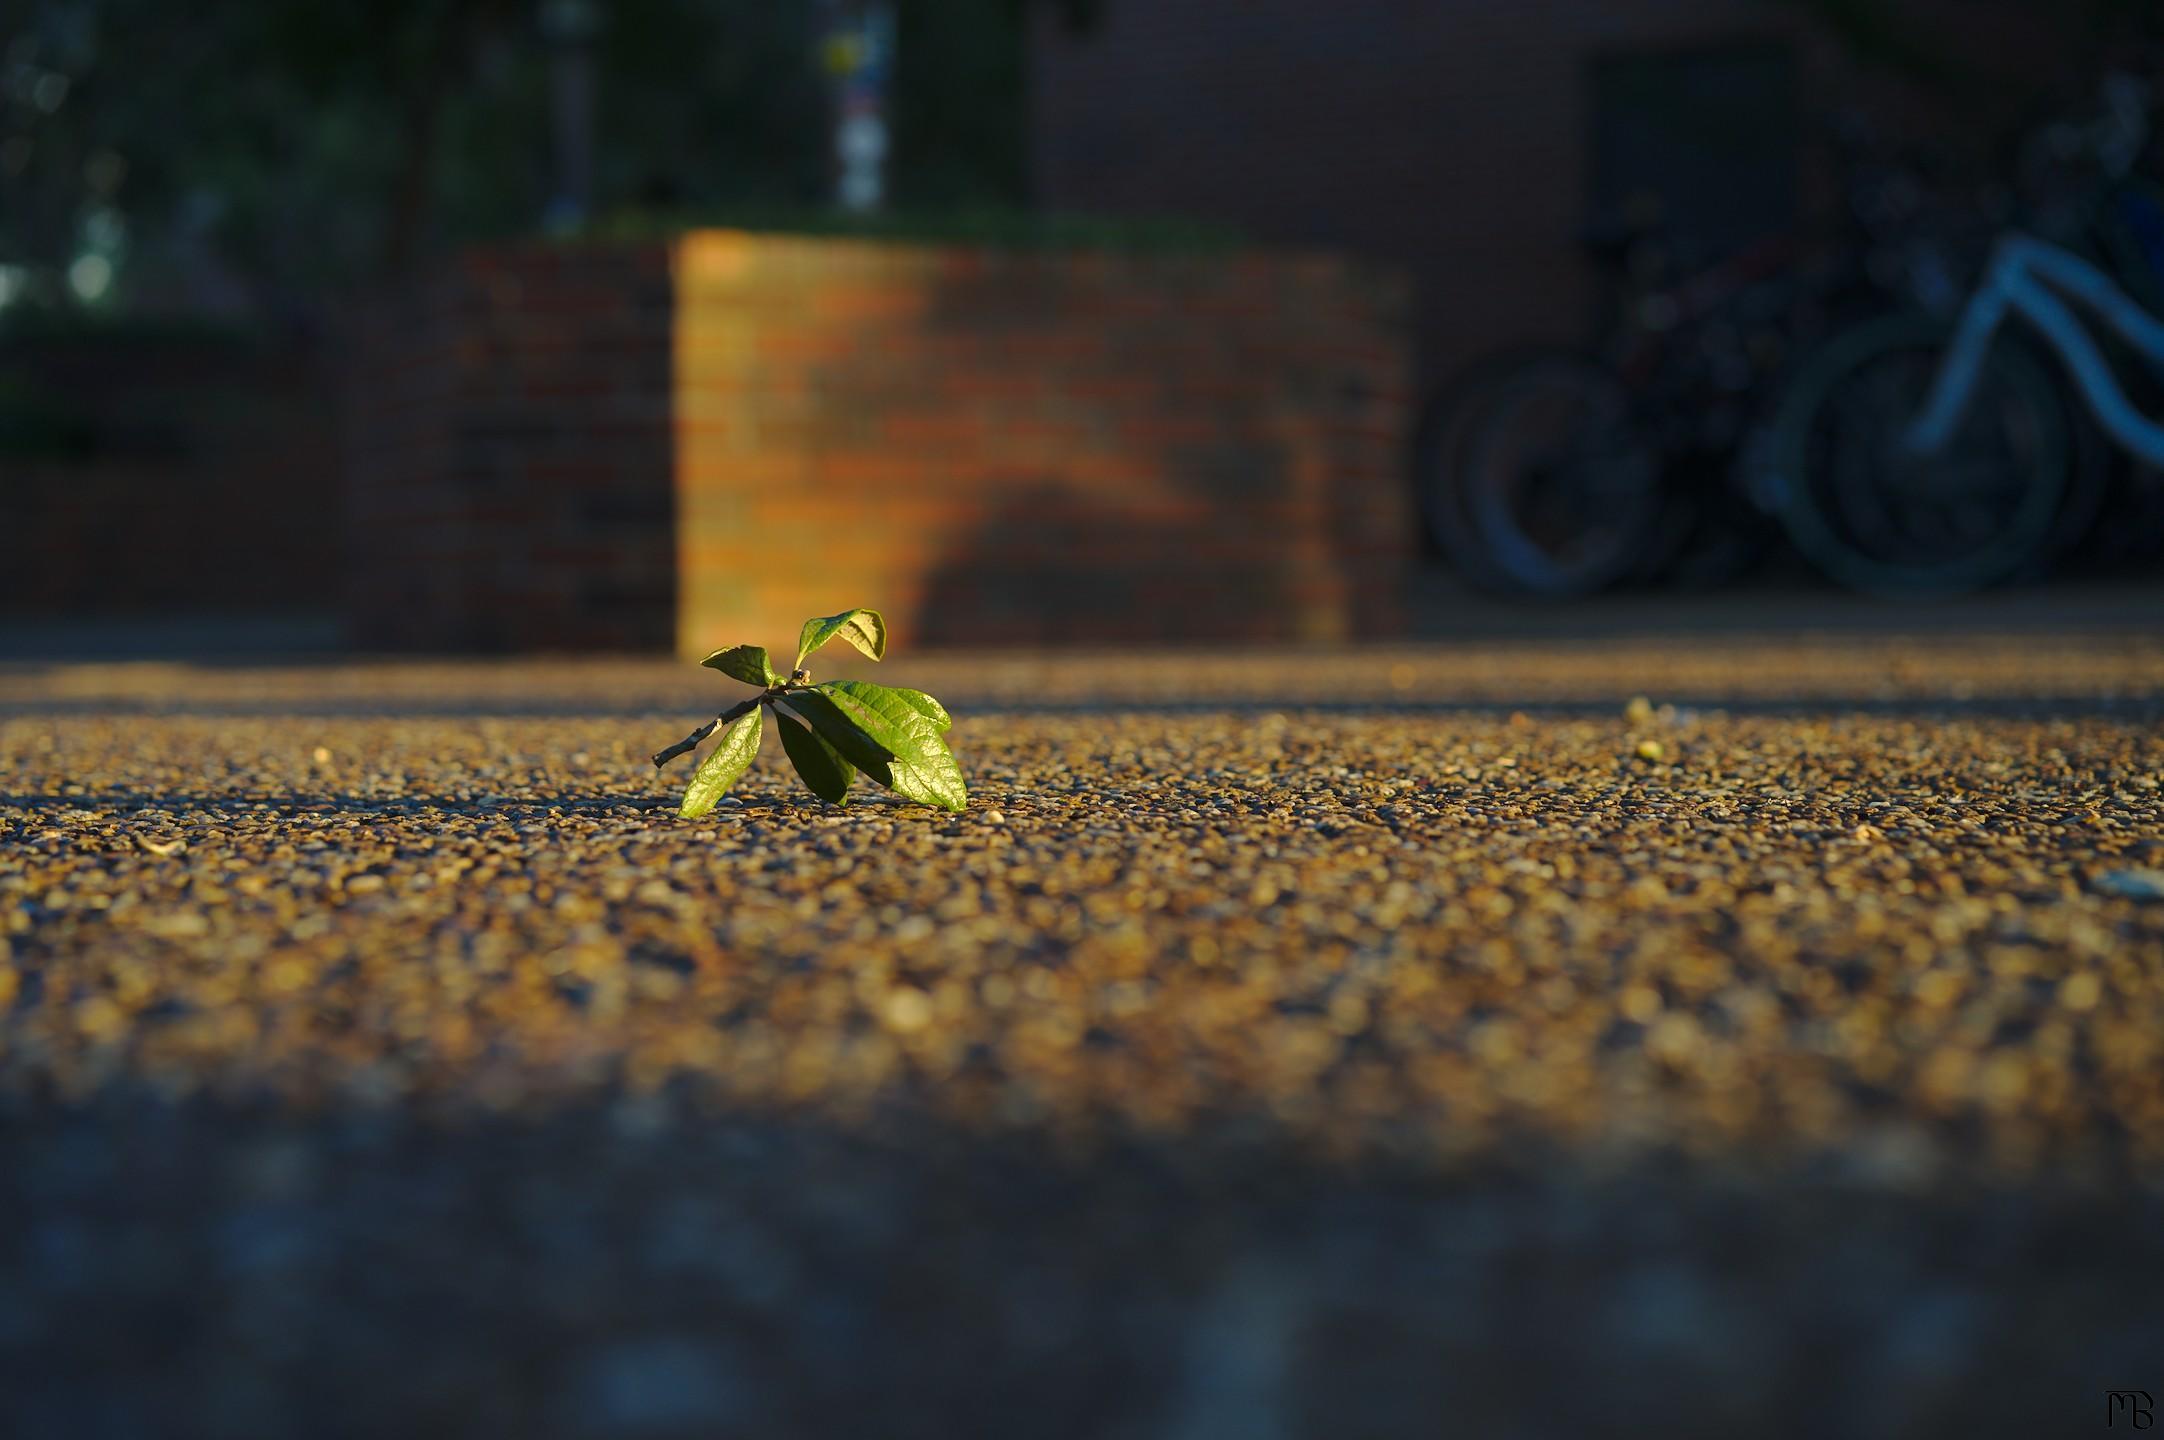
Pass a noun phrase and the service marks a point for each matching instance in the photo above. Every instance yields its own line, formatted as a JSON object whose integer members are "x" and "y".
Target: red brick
{"x": 957, "y": 428}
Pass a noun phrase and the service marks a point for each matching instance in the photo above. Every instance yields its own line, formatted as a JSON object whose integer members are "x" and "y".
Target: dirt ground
{"x": 1734, "y": 1035}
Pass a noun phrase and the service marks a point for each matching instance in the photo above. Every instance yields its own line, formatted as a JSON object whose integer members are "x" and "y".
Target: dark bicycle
{"x": 1558, "y": 472}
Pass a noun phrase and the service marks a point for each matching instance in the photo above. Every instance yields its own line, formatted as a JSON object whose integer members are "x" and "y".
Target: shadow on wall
{"x": 591, "y": 448}
{"x": 1053, "y": 566}
{"x": 510, "y": 455}
{"x": 1192, "y": 458}
{"x": 153, "y": 477}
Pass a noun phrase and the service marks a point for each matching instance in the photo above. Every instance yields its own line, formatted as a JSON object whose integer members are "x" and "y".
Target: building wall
{"x": 165, "y": 477}
{"x": 510, "y": 448}
{"x": 702, "y": 444}
{"x": 1451, "y": 138}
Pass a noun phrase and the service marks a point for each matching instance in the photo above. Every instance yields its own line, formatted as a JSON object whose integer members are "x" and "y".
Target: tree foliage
{"x": 260, "y": 155}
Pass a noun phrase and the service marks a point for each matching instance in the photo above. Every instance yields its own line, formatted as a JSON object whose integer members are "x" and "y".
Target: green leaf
{"x": 861, "y": 628}
{"x": 818, "y": 764}
{"x": 747, "y": 663}
{"x": 886, "y": 738}
{"x": 729, "y": 760}
{"x": 849, "y": 739}
{"x": 924, "y": 705}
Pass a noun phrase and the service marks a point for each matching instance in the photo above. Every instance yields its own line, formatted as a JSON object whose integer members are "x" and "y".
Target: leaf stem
{"x": 727, "y": 717}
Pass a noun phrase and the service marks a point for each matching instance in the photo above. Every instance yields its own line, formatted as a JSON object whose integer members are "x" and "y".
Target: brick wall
{"x": 509, "y": 456}
{"x": 165, "y": 477}
{"x": 706, "y": 442}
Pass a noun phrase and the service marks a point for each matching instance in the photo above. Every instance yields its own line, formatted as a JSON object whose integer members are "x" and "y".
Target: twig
{"x": 691, "y": 742}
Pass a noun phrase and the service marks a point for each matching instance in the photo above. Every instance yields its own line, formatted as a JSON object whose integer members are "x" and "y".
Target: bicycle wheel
{"x": 1553, "y": 487}
{"x": 1438, "y": 469}
{"x": 1874, "y": 516}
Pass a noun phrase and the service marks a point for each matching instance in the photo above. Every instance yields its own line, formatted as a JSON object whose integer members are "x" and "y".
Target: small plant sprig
{"x": 831, "y": 731}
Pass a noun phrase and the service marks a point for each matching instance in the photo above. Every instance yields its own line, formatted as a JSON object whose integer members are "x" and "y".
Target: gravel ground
{"x": 1741, "y": 1037}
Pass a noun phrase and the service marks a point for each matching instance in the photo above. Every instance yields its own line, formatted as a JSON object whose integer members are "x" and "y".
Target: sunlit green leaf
{"x": 818, "y": 764}
{"x": 887, "y": 739}
{"x": 924, "y": 705}
{"x": 721, "y": 769}
{"x": 747, "y": 663}
{"x": 861, "y": 628}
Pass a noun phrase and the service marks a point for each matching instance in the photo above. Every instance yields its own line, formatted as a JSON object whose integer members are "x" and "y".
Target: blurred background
{"x": 543, "y": 324}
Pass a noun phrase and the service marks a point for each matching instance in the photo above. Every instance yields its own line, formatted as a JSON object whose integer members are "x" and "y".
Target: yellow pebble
{"x": 2080, "y": 992}
{"x": 908, "y": 1010}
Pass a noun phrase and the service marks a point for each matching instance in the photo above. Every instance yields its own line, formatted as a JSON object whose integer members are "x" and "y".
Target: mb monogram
{"x": 2132, "y": 1406}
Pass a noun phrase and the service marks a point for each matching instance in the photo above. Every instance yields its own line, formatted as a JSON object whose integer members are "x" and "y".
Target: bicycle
{"x": 1927, "y": 453}
{"x": 1556, "y": 472}
{"x": 1553, "y": 471}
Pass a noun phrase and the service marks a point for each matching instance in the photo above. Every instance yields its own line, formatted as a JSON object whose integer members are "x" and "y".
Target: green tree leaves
{"x": 818, "y": 764}
{"x": 747, "y": 663}
{"x": 864, "y": 629}
{"x": 887, "y": 738}
{"x": 830, "y": 731}
{"x": 721, "y": 769}
{"x": 924, "y": 705}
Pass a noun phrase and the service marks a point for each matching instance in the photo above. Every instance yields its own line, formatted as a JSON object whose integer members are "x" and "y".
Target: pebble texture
{"x": 1729, "y": 1038}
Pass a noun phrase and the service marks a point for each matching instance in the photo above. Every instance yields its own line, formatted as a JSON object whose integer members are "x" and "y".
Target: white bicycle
{"x": 1920, "y": 454}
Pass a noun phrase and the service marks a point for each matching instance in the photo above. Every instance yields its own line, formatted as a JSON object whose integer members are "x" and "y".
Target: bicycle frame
{"x": 2024, "y": 275}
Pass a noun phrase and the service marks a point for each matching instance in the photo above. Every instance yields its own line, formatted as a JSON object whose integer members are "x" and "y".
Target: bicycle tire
{"x": 1439, "y": 450}
{"x": 1594, "y": 524}
{"x": 1830, "y": 477}
{"x": 1438, "y": 455}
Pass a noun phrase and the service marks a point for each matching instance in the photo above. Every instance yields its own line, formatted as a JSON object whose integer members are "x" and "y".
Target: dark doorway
{"x": 1705, "y": 140}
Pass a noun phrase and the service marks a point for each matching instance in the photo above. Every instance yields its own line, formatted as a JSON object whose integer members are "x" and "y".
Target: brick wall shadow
{"x": 1038, "y": 448}
{"x": 159, "y": 477}
{"x": 510, "y": 478}
{"x": 1050, "y": 565}
{"x": 694, "y": 444}
{"x": 1176, "y": 455}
